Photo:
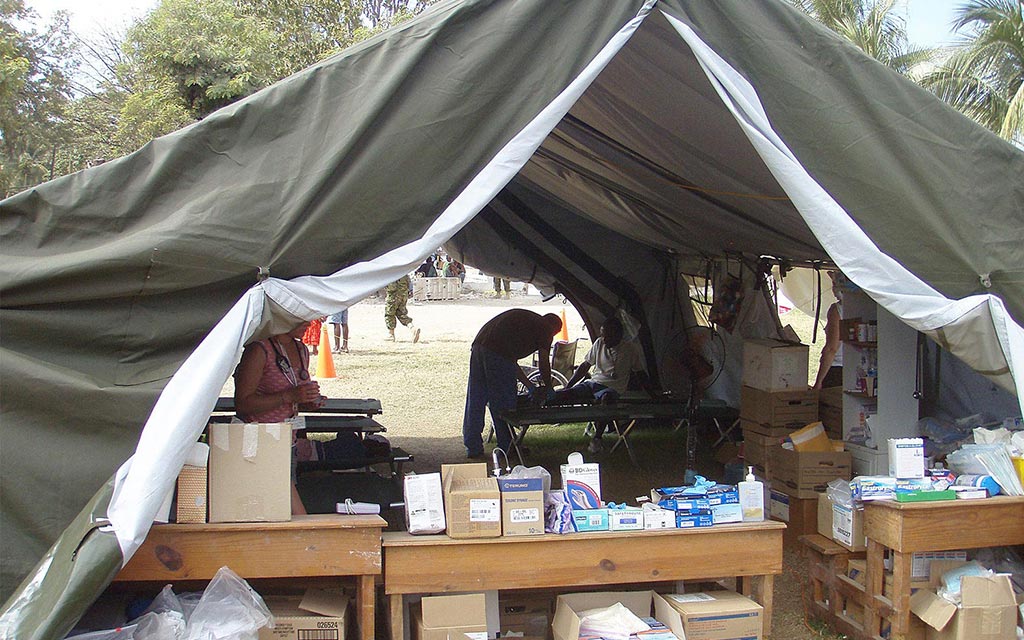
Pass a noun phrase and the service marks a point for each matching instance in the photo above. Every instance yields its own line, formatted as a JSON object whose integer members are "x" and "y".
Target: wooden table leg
{"x": 397, "y": 617}
{"x": 761, "y": 590}
{"x": 900, "y": 597}
{"x": 874, "y": 576}
{"x": 365, "y": 605}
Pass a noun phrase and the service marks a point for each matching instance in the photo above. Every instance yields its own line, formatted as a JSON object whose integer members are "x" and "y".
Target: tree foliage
{"x": 873, "y": 26}
{"x": 984, "y": 76}
{"x": 35, "y": 67}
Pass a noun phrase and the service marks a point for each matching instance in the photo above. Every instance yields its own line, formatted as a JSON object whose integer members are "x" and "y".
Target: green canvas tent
{"x": 599, "y": 149}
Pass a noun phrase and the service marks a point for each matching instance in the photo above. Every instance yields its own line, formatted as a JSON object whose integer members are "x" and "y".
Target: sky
{"x": 927, "y": 20}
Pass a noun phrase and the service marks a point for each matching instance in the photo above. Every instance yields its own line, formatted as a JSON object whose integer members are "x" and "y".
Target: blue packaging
{"x": 684, "y": 521}
{"x": 723, "y": 494}
{"x": 686, "y": 505}
{"x": 590, "y": 519}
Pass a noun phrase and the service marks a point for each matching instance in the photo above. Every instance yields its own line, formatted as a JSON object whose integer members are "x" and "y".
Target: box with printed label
{"x": 718, "y": 615}
{"x": 906, "y": 457}
{"x": 684, "y": 521}
{"x": 773, "y": 365}
{"x": 522, "y": 506}
{"x": 566, "y": 623}
{"x": 250, "y": 472}
{"x": 625, "y": 520}
{"x": 806, "y": 474}
{"x": 792, "y": 409}
{"x": 582, "y": 484}
{"x": 723, "y": 494}
{"x": 987, "y": 611}
{"x": 726, "y": 513}
{"x": 658, "y": 518}
{"x": 848, "y": 527}
{"x": 317, "y": 614}
{"x": 472, "y": 502}
{"x": 799, "y": 514}
{"x": 590, "y": 519}
{"x": 461, "y": 617}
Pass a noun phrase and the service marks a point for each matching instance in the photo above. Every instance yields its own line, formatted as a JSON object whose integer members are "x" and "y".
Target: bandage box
{"x": 250, "y": 472}
{"x": 773, "y": 365}
{"x": 906, "y": 457}
{"x": 582, "y": 484}
{"x": 625, "y": 520}
{"x": 460, "y": 617}
{"x": 472, "y": 501}
{"x": 659, "y": 518}
{"x": 590, "y": 519}
{"x": 718, "y": 615}
{"x": 522, "y": 506}
{"x": 318, "y": 614}
{"x": 566, "y": 623}
{"x": 424, "y": 503}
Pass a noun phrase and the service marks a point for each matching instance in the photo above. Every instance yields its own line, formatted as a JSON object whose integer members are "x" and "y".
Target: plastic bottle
{"x": 751, "y": 493}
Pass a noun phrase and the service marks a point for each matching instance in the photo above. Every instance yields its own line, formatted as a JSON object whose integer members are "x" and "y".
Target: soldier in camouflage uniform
{"x": 395, "y": 310}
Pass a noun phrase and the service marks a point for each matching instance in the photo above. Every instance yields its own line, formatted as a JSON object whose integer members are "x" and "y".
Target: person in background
{"x": 395, "y": 309}
{"x": 830, "y": 366}
{"x": 272, "y": 384}
{"x": 427, "y": 269}
{"x": 312, "y": 336}
{"x": 500, "y": 282}
{"x": 340, "y": 322}
{"x": 613, "y": 361}
{"x": 494, "y": 369}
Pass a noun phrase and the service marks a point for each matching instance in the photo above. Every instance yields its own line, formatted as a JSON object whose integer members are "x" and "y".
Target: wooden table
{"x": 751, "y": 552}
{"x": 308, "y": 546}
{"x": 910, "y": 527}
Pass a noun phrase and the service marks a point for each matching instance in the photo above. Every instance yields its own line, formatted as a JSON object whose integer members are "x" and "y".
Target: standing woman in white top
{"x": 830, "y": 366}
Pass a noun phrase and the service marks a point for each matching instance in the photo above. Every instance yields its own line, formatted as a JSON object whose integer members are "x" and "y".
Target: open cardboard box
{"x": 988, "y": 610}
{"x": 566, "y": 625}
{"x": 317, "y": 614}
{"x": 458, "y": 617}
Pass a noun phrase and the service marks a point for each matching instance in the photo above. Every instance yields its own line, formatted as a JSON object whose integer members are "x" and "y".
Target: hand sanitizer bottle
{"x": 751, "y": 497}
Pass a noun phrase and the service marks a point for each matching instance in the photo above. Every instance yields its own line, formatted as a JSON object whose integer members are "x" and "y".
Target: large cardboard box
{"x": 988, "y": 610}
{"x": 250, "y": 472}
{"x": 842, "y": 525}
{"x": 461, "y": 617}
{"x": 799, "y": 514}
{"x": 757, "y": 449}
{"x": 806, "y": 474}
{"x": 472, "y": 501}
{"x": 773, "y": 365}
{"x": 522, "y": 506}
{"x": 525, "y": 613}
{"x": 795, "y": 408}
{"x": 718, "y": 615}
{"x": 318, "y": 614}
{"x": 566, "y": 625}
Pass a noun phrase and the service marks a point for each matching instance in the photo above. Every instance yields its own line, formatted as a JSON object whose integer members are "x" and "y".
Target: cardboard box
{"x": 799, "y": 514}
{"x": 658, "y": 518}
{"x": 832, "y": 419}
{"x": 458, "y": 617}
{"x": 472, "y": 501}
{"x": 625, "y": 520}
{"x": 424, "y": 504}
{"x": 794, "y": 408}
{"x": 775, "y": 433}
{"x": 773, "y": 365}
{"x": 806, "y": 474}
{"x": 590, "y": 519}
{"x": 582, "y": 484}
{"x": 250, "y": 472}
{"x": 191, "y": 503}
{"x": 718, "y": 615}
{"x": 318, "y": 614}
{"x": 988, "y": 610}
{"x": 906, "y": 457}
{"x": 528, "y": 614}
{"x": 726, "y": 513}
{"x": 522, "y": 506}
{"x": 848, "y": 528}
{"x": 566, "y": 624}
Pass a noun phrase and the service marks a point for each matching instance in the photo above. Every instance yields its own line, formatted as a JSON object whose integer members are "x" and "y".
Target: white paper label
{"x": 484, "y": 510}
{"x": 524, "y": 515}
{"x": 691, "y": 597}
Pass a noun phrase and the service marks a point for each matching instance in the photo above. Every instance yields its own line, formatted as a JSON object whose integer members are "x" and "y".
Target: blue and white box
{"x": 697, "y": 520}
{"x": 625, "y": 520}
{"x": 590, "y": 519}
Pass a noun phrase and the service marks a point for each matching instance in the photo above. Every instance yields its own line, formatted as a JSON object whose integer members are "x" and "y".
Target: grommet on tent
{"x": 262, "y": 273}
{"x": 986, "y": 280}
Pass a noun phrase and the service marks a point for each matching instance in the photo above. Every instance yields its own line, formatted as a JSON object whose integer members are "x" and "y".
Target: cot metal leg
{"x": 624, "y": 439}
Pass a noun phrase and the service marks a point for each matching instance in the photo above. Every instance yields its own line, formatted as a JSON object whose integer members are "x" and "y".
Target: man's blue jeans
{"x": 492, "y": 383}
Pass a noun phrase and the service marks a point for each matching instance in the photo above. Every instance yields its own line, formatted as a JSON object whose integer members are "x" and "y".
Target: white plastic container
{"x": 751, "y": 492}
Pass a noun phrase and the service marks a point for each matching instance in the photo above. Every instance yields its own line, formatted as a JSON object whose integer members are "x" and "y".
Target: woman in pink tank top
{"x": 272, "y": 384}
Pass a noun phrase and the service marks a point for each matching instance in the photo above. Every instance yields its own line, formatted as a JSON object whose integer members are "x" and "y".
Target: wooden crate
{"x": 829, "y": 595}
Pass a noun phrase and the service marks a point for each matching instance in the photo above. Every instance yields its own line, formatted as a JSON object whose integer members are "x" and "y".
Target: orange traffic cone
{"x": 324, "y": 359}
{"x": 564, "y": 334}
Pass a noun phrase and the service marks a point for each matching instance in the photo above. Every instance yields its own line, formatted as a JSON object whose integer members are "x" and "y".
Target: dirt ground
{"x": 422, "y": 389}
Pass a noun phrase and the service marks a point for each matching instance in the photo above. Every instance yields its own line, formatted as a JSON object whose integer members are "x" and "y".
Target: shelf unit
{"x": 891, "y": 407}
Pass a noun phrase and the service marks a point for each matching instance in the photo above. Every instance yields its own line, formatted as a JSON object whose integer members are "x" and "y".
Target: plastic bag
{"x": 839, "y": 492}
{"x": 519, "y": 471}
{"x": 229, "y": 610}
{"x": 167, "y": 625}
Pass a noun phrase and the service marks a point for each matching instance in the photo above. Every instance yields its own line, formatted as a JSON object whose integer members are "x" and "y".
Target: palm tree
{"x": 983, "y": 78}
{"x": 872, "y": 26}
